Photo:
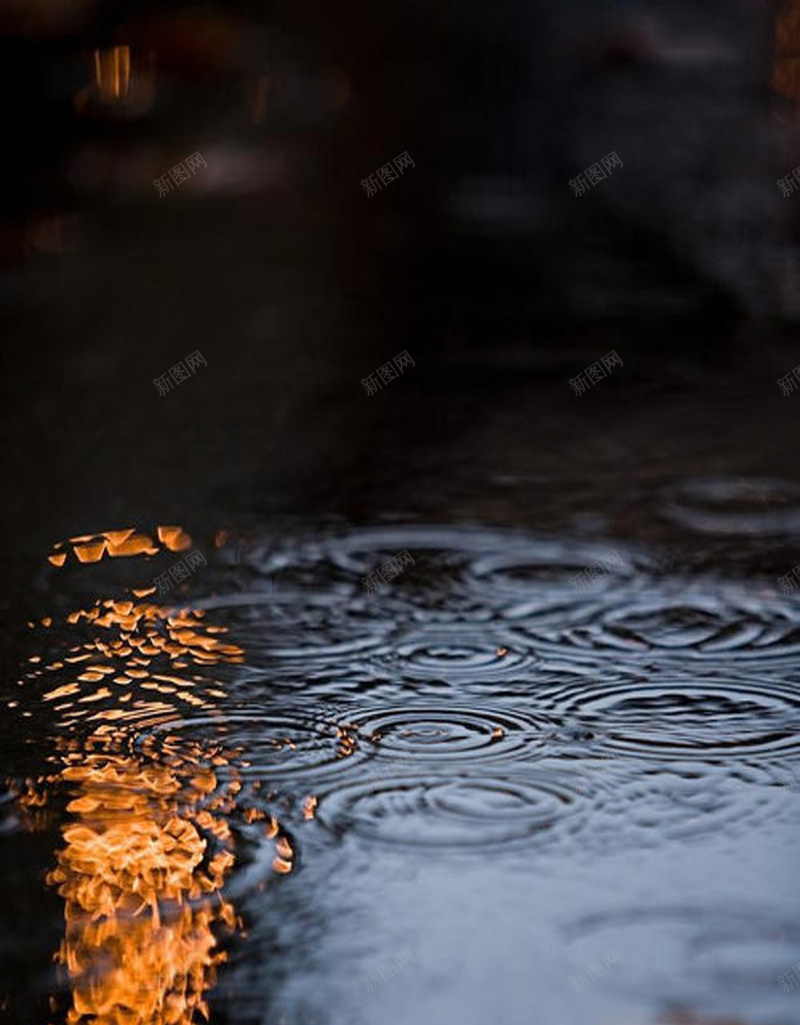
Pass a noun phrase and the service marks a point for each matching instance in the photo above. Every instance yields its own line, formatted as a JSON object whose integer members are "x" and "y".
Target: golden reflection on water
{"x": 118, "y": 544}
{"x": 148, "y": 845}
{"x": 140, "y": 873}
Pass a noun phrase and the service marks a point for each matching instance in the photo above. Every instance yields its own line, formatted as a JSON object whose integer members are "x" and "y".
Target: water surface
{"x": 271, "y": 795}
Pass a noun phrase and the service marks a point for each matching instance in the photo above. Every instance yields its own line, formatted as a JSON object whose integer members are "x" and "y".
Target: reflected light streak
{"x": 147, "y": 847}
{"x": 123, "y": 83}
{"x": 112, "y": 72}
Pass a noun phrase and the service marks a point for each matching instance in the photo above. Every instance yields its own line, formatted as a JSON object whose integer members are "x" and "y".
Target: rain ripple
{"x": 722, "y": 506}
{"x": 464, "y": 813}
{"x": 463, "y": 735}
{"x": 684, "y": 717}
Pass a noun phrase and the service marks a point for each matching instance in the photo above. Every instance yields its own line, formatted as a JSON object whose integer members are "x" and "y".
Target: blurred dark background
{"x": 294, "y": 284}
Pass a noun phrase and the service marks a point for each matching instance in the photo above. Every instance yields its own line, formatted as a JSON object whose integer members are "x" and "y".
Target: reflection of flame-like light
{"x": 138, "y": 874}
{"x": 175, "y": 539}
{"x": 127, "y": 637}
{"x": 118, "y": 544}
{"x": 148, "y": 847}
{"x": 121, "y": 80}
{"x": 112, "y": 72}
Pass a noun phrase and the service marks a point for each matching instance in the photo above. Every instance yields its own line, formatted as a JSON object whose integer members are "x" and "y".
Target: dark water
{"x": 476, "y": 770}
{"x": 478, "y": 793}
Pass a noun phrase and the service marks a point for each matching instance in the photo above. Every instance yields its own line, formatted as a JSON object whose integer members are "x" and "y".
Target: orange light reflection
{"x": 147, "y": 847}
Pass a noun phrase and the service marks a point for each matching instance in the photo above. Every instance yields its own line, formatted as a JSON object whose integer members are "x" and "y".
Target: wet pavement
{"x": 479, "y": 788}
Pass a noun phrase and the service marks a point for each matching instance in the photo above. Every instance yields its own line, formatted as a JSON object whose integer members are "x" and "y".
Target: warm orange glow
{"x": 90, "y": 553}
{"x": 32, "y": 805}
{"x": 121, "y": 544}
{"x": 147, "y": 848}
{"x": 112, "y": 72}
{"x": 174, "y": 539}
{"x": 125, "y": 630}
{"x": 123, "y": 82}
{"x": 118, "y": 537}
{"x": 137, "y": 876}
{"x": 137, "y": 544}
{"x": 348, "y": 743}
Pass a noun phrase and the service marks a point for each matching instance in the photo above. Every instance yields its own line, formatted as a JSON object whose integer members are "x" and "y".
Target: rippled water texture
{"x": 271, "y": 795}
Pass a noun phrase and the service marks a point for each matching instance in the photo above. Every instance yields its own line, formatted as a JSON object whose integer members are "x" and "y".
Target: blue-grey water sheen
{"x": 512, "y": 777}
